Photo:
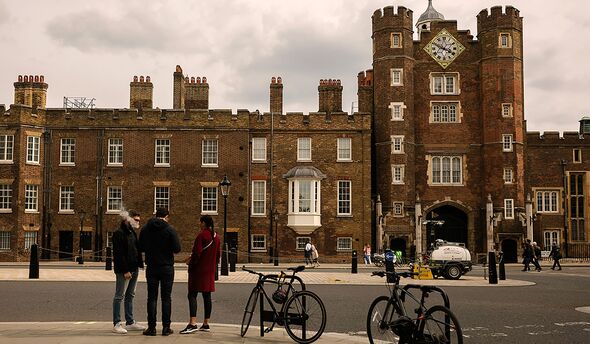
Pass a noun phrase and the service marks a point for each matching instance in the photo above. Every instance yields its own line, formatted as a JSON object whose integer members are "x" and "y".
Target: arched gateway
{"x": 448, "y": 223}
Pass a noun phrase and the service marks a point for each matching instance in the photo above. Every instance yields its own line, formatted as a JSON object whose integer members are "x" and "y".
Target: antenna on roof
{"x": 79, "y": 103}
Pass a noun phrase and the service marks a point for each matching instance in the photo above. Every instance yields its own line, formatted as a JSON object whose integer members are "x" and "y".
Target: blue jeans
{"x": 124, "y": 290}
{"x": 163, "y": 277}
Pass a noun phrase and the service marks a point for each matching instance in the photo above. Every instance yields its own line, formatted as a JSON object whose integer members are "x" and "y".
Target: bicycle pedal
{"x": 267, "y": 330}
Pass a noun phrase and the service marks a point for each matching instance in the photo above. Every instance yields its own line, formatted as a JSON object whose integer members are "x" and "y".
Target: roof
{"x": 430, "y": 14}
{"x": 304, "y": 172}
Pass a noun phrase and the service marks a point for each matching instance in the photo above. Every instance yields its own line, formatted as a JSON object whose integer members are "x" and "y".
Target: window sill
{"x": 66, "y": 212}
{"x": 258, "y": 215}
{"x": 309, "y": 160}
{"x": 344, "y": 250}
{"x": 258, "y": 250}
{"x": 209, "y": 213}
{"x": 259, "y": 161}
{"x": 31, "y": 211}
{"x": 209, "y": 166}
{"x": 6, "y": 162}
{"x": 398, "y": 183}
{"x": 113, "y": 212}
{"x": 5, "y": 211}
{"x": 32, "y": 163}
{"x": 67, "y": 164}
{"x": 161, "y": 165}
{"x": 343, "y": 160}
{"x": 115, "y": 165}
{"x": 349, "y": 216}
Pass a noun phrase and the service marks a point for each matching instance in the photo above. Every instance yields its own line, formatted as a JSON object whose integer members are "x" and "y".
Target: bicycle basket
{"x": 279, "y": 296}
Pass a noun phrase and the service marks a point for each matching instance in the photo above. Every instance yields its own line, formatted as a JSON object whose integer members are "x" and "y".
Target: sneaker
{"x": 135, "y": 327}
{"x": 190, "y": 329}
{"x": 150, "y": 331}
{"x": 204, "y": 327}
{"x": 119, "y": 328}
{"x": 166, "y": 331}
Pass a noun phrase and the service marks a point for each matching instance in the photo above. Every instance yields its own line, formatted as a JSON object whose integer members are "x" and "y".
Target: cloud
{"x": 4, "y": 14}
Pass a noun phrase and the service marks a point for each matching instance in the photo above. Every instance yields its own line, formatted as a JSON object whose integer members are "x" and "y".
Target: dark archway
{"x": 510, "y": 250}
{"x": 453, "y": 227}
{"x": 398, "y": 244}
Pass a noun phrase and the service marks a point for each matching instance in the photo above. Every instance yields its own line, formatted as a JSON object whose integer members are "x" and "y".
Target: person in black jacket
{"x": 159, "y": 241}
{"x": 128, "y": 261}
{"x": 556, "y": 255}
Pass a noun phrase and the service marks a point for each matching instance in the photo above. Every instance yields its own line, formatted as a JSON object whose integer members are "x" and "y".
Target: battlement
{"x": 316, "y": 120}
{"x": 499, "y": 17}
{"x": 193, "y": 80}
{"x": 388, "y": 17}
{"x": 365, "y": 78}
{"x": 555, "y": 138}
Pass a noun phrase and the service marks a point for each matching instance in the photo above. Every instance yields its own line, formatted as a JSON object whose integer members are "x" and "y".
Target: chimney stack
{"x": 178, "y": 94}
{"x": 330, "y": 91}
{"x": 276, "y": 95}
{"x": 365, "y": 91}
{"x": 141, "y": 93}
{"x": 197, "y": 93}
{"x": 31, "y": 90}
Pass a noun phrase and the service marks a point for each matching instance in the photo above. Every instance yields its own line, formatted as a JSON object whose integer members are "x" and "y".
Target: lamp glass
{"x": 225, "y": 185}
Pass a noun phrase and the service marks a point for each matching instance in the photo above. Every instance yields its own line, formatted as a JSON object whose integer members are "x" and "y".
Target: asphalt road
{"x": 544, "y": 313}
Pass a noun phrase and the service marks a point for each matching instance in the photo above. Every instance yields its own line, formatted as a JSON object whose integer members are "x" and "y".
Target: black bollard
{"x": 34, "y": 263}
{"x": 354, "y": 268}
{"x": 389, "y": 265}
{"x": 233, "y": 257}
{"x": 216, "y": 271}
{"x": 109, "y": 260}
{"x": 492, "y": 272}
{"x": 502, "y": 269}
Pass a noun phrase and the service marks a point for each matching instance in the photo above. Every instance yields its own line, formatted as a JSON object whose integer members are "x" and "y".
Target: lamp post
{"x": 82, "y": 215}
{"x": 224, "y": 185}
{"x": 275, "y": 216}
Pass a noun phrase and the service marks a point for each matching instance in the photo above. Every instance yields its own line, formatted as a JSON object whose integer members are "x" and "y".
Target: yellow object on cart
{"x": 423, "y": 271}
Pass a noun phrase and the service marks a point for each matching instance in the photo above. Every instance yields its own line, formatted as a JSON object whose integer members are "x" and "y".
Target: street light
{"x": 275, "y": 216}
{"x": 224, "y": 185}
{"x": 82, "y": 215}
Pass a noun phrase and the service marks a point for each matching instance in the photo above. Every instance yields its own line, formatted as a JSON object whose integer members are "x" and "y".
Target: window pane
{"x": 258, "y": 197}
{"x": 259, "y": 149}
{"x": 344, "y": 197}
{"x": 304, "y": 196}
{"x": 5, "y": 197}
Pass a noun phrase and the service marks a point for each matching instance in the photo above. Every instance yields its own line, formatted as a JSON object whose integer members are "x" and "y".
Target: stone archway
{"x": 510, "y": 250}
{"x": 398, "y": 244}
{"x": 454, "y": 227}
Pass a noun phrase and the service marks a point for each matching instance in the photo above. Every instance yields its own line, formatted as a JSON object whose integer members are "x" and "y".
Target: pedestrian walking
{"x": 307, "y": 254}
{"x": 201, "y": 273}
{"x": 556, "y": 255}
{"x": 315, "y": 256}
{"x": 159, "y": 241}
{"x": 537, "y": 256}
{"x": 527, "y": 255}
{"x": 127, "y": 261}
{"x": 367, "y": 254}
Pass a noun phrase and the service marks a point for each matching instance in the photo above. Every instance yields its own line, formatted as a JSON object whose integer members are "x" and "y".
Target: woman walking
{"x": 201, "y": 273}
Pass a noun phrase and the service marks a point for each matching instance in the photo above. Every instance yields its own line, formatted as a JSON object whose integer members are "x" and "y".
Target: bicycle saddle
{"x": 297, "y": 269}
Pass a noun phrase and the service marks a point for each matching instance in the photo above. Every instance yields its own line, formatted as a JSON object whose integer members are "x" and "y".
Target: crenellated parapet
{"x": 196, "y": 93}
{"x": 388, "y": 18}
{"x": 335, "y": 121}
{"x": 552, "y": 138}
{"x": 497, "y": 17}
{"x": 31, "y": 90}
{"x": 141, "y": 92}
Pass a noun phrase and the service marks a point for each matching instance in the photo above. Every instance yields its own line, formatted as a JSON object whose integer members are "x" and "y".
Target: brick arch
{"x": 468, "y": 236}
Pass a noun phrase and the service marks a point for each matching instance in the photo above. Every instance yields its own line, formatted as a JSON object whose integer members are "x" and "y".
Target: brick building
{"x": 437, "y": 150}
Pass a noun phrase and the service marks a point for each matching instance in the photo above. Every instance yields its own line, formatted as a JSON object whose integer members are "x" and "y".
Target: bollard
{"x": 502, "y": 269}
{"x": 232, "y": 259}
{"x": 354, "y": 268}
{"x": 109, "y": 260}
{"x": 34, "y": 262}
{"x": 493, "y": 273}
{"x": 389, "y": 265}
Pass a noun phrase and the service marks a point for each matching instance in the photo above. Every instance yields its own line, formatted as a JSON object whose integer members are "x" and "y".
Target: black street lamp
{"x": 82, "y": 215}
{"x": 275, "y": 216}
{"x": 224, "y": 185}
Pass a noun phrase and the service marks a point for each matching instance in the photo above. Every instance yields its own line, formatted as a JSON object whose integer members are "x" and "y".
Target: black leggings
{"x": 192, "y": 303}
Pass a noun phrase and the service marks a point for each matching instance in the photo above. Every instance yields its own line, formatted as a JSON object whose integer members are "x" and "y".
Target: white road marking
{"x": 583, "y": 309}
{"x": 573, "y": 323}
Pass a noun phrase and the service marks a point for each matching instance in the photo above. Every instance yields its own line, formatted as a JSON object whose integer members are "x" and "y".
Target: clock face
{"x": 444, "y": 48}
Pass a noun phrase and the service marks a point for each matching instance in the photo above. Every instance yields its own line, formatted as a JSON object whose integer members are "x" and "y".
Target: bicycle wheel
{"x": 379, "y": 319}
{"x": 249, "y": 310}
{"x": 305, "y": 317}
{"x": 440, "y": 325}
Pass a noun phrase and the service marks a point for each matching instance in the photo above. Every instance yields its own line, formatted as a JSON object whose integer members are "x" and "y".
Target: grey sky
{"x": 94, "y": 48}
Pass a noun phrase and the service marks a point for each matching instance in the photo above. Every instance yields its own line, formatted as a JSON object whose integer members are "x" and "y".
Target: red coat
{"x": 203, "y": 262}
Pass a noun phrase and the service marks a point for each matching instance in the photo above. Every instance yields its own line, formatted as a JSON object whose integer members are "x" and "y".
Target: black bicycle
{"x": 388, "y": 321}
{"x": 301, "y": 312}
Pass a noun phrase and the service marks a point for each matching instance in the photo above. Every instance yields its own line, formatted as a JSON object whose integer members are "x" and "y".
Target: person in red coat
{"x": 201, "y": 273}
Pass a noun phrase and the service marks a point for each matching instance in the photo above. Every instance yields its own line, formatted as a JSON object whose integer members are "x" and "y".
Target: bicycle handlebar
{"x": 405, "y": 274}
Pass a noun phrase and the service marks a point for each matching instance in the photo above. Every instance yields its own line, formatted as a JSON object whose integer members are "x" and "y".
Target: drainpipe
{"x": 46, "y": 226}
{"x": 98, "y": 235}
{"x": 565, "y": 207}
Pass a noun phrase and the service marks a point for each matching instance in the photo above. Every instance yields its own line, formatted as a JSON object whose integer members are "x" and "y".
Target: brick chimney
{"x": 330, "y": 91}
{"x": 178, "y": 93}
{"x": 31, "y": 90}
{"x": 197, "y": 93}
{"x": 276, "y": 95}
{"x": 365, "y": 91}
{"x": 141, "y": 93}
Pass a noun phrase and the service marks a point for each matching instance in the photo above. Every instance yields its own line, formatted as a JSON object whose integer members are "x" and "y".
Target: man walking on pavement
{"x": 160, "y": 242}
{"x": 127, "y": 260}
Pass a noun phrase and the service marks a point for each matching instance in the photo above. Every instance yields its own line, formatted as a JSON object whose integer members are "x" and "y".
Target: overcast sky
{"x": 94, "y": 48}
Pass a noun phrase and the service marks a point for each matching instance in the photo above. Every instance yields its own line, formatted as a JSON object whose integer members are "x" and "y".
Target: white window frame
{"x": 344, "y": 244}
{"x": 67, "y": 152}
{"x": 547, "y": 201}
{"x": 31, "y": 198}
{"x": 440, "y": 83}
{"x": 5, "y": 240}
{"x": 577, "y": 158}
{"x": 397, "y": 174}
{"x": 397, "y": 144}
{"x": 504, "y": 43}
{"x": 344, "y": 149}
{"x": 259, "y": 149}
{"x": 115, "y": 155}
{"x": 114, "y": 199}
{"x": 209, "y": 205}
{"x": 66, "y": 199}
{"x": 6, "y": 149}
{"x": 258, "y": 198}
{"x": 398, "y": 209}
{"x": 5, "y": 198}
{"x": 31, "y": 237}
{"x": 509, "y": 208}
{"x": 260, "y": 239}
{"x": 507, "y": 110}
{"x": 397, "y": 111}
{"x": 303, "y": 152}
{"x": 393, "y": 43}
{"x": 344, "y": 198}
{"x": 33, "y": 149}
{"x": 109, "y": 242}
{"x": 300, "y": 243}
{"x": 162, "y": 152}
{"x": 508, "y": 175}
{"x": 210, "y": 153}
{"x": 550, "y": 236}
{"x": 445, "y": 112}
{"x": 446, "y": 169}
{"x": 161, "y": 197}
{"x": 397, "y": 76}
{"x": 295, "y": 200}
{"x": 507, "y": 143}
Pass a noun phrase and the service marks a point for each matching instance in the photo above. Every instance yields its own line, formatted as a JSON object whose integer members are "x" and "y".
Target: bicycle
{"x": 388, "y": 321}
{"x": 302, "y": 312}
